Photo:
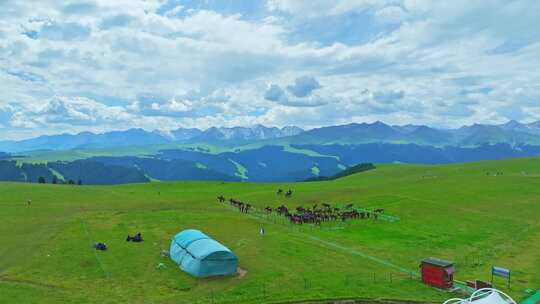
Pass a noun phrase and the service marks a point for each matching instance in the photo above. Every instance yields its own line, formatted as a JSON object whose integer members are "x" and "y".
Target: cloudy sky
{"x": 101, "y": 65}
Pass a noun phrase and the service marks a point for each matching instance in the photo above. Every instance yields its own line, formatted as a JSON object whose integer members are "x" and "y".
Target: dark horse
{"x": 137, "y": 238}
{"x": 221, "y": 198}
{"x": 279, "y": 192}
{"x": 289, "y": 193}
{"x": 100, "y": 246}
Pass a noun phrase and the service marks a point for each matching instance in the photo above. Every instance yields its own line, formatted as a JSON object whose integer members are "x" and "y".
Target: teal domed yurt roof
{"x": 201, "y": 256}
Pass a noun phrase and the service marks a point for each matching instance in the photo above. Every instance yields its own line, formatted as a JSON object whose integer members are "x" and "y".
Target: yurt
{"x": 201, "y": 256}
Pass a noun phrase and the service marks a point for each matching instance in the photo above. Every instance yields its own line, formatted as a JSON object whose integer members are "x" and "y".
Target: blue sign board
{"x": 500, "y": 272}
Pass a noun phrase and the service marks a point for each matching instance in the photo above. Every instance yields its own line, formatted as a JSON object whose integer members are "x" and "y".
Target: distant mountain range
{"x": 258, "y": 153}
{"x": 242, "y": 135}
{"x": 139, "y": 137}
{"x": 512, "y": 133}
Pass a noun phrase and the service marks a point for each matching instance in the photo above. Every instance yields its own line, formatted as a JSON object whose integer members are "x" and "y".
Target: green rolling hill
{"x": 466, "y": 213}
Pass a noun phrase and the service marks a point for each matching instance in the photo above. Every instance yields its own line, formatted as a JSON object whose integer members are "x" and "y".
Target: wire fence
{"x": 349, "y": 286}
{"x": 380, "y": 215}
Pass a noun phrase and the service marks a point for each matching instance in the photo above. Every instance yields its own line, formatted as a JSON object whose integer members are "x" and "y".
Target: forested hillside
{"x": 81, "y": 171}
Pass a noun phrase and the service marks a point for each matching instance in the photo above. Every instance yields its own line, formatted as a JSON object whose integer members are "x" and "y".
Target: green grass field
{"x": 455, "y": 212}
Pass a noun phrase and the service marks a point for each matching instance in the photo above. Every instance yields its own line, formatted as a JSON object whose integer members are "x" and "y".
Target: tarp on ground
{"x": 201, "y": 256}
{"x": 535, "y": 298}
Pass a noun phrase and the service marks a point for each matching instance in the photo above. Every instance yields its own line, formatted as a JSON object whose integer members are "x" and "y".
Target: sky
{"x": 99, "y": 65}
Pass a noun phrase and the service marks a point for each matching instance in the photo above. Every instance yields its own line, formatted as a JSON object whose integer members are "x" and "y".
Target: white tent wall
{"x": 484, "y": 296}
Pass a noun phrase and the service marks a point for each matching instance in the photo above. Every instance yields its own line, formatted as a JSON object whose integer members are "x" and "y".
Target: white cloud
{"x": 190, "y": 104}
{"x": 303, "y": 86}
{"x": 6, "y": 113}
{"x": 77, "y": 111}
{"x": 64, "y": 31}
{"x": 315, "y": 8}
{"x": 477, "y": 60}
{"x": 174, "y": 11}
{"x": 298, "y": 94}
{"x": 391, "y": 14}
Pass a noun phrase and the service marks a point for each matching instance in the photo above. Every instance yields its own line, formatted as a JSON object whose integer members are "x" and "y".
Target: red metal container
{"x": 438, "y": 273}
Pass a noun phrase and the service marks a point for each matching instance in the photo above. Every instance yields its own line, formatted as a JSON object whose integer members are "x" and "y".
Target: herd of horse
{"x": 315, "y": 214}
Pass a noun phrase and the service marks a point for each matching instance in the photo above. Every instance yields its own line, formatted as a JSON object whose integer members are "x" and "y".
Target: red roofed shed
{"x": 438, "y": 273}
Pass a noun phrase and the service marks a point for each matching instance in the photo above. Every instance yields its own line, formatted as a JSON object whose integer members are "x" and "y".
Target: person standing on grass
{"x": 29, "y": 202}
{"x": 261, "y": 232}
